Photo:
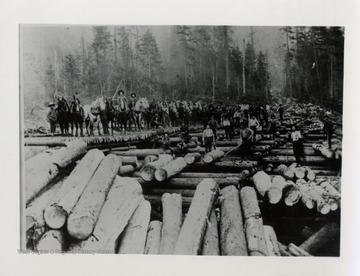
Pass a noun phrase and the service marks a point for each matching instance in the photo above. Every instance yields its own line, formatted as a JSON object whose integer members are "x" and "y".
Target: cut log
{"x": 265, "y": 187}
{"x": 51, "y": 242}
{"x": 192, "y": 232}
{"x": 121, "y": 202}
{"x": 334, "y": 181}
{"x": 232, "y": 236}
{"x": 213, "y": 156}
{"x": 30, "y": 152}
{"x": 221, "y": 167}
{"x": 206, "y": 175}
{"x": 155, "y": 200}
{"x": 310, "y": 174}
{"x": 150, "y": 158}
{"x": 192, "y": 183}
{"x": 153, "y": 238}
{"x": 290, "y": 152}
{"x": 65, "y": 199}
{"x": 281, "y": 159}
{"x": 129, "y": 160}
{"x": 148, "y": 172}
{"x": 285, "y": 171}
{"x": 284, "y": 250}
{"x": 292, "y": 194}
{"x": 306, "y": 199}
{"x": 172, "y": 219}
{"x": 170, "y": 169}
{"x": 160, "y": 192}
{"x": 327, "y": 153}
{"x": 134, "y": 236}
{"x": 333, "y": 193}
{"x": 81, "y": 221}
{"x": 191, "y": 158}
{"x": 271, "y": 241}
{"x": 211, "y": 239}
{"x": 44, "y": 167}
{"x": 254, "y": 228}
{"x": 43, "y": 143}
{"x": 321, "y": 205}
{"x": 142, "y": 153}
{"x": 126, "y": 170}
{"x": 35, "y": 212}
{"x": 299, "y": 172}
{"x": 297, "y": 251}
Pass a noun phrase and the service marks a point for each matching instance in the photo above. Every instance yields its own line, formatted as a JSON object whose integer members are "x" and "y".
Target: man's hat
{"x": 51, "y": 104}
{"x": 120, "y": 91}
{"x": 133, "y": 95}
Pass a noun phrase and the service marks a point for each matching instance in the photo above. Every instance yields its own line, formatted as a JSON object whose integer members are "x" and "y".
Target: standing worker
{"x": 254, "y": 124}
{"x": 208, "y": 138}
{"x": 213, "y": 125}
{"x": 246, "y": 135}
{"x": 52, "y": 118}
{"x": 296, "y": 138}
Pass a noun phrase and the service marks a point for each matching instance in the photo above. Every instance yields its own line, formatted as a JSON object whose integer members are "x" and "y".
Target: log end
{"x": 160, "y": 174}
{"x": 147, "y": 173}
{"x": 324, "y": 209}
{"x": 292, "y": 197}
{"x": 274, "y": 195}
{"x": 80, "y": 227}
{"x": 55, "y": 216}
{"x": 51, "y": 241}
{"x": 208, "y": 159}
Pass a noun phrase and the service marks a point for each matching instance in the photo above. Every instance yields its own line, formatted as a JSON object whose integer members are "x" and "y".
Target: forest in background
{"x": 183, "y": 62}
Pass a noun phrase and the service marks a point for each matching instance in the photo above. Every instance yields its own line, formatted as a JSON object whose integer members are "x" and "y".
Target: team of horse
{"x": 125, "y": 115}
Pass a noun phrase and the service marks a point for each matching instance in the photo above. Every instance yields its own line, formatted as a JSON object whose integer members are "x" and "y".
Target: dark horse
{"x": 76, "y": 117}
{"x": 63, "y": 111}
{"x": 108, "y": 116}
{"x": 122, "y": 114}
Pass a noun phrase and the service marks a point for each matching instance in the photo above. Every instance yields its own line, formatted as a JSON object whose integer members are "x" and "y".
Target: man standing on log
{"x": 254, "y": 124}
{"x": 296, "y": 138}
{"x": 208, "y": 139}
{"x": 52, "y": 118}
{"x": 246, "y": 135}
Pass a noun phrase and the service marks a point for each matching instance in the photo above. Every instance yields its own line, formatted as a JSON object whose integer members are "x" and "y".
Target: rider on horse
{"x": 122, "y": 101}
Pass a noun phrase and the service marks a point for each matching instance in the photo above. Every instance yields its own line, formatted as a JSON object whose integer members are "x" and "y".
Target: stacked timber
{"x": 42, "y": 169}
{"x": 148, "y": 171}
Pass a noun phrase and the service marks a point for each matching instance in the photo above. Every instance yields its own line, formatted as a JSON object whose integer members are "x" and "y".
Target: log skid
{"x": 116, "y": 194}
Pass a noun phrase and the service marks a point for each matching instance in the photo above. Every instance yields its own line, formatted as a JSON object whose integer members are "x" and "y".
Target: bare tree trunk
{"x": 243, "y": 69}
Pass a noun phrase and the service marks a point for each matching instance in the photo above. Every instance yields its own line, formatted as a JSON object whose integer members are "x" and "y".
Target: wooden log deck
{"x": 264, "y": 187}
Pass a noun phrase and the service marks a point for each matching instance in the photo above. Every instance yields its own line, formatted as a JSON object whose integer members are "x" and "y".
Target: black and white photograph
{"x": 168, "y": 137}
{"x": 182, "y": 139}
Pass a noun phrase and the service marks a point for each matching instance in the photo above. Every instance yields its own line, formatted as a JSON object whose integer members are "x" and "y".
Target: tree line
{"x": 199, "y": 62}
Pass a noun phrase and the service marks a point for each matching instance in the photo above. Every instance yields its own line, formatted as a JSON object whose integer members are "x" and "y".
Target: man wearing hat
{"x": 52, "y": 118}
{"x": 122, "y": 101}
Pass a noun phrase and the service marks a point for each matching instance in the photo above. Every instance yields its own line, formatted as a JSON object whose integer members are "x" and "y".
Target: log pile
{"x": 149, "y": 201}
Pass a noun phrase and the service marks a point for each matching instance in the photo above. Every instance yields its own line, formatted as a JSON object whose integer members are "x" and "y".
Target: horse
{"x": 140, "y": 108}
{"x": 76, "y": 117}
{"x": 63, "y": 118}
{"x": 122, "y": 114}
{"x": 110, "y": 113}
{"x": 92, "y": 116}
